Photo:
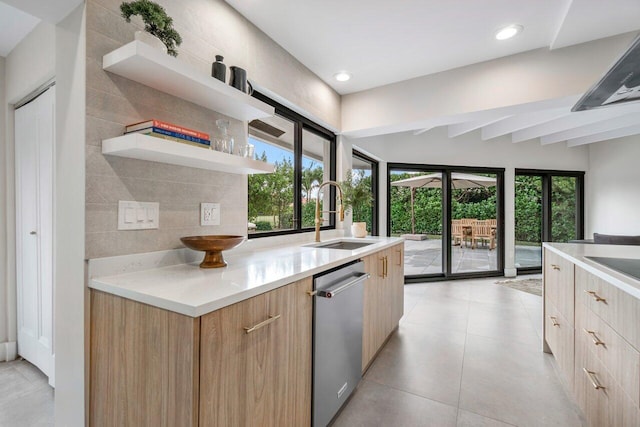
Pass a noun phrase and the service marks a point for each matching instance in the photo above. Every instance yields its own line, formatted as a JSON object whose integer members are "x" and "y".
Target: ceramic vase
{"x": 219, "y": 70}
{"x": 150, "y": 39}
{"x": 359, "y": 229}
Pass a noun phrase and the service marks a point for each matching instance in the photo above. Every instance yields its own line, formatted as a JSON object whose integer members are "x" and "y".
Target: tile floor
{"x": 467, "y": 353}
{"x": 26, "y": 399}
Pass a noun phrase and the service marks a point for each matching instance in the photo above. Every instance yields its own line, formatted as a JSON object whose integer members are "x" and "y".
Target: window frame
{"x": 301, "y": 123}
{"x": 374, "y": 188}
{"x": 547, "y": 176}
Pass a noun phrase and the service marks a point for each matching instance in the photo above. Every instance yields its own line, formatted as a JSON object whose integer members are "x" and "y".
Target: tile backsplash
{"x": 112, "y": 103}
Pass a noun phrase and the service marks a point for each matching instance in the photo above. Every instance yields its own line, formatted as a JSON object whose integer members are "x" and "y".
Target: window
{"x": 549, "y": 207}
{"x": 364, "y": 182}
{"x": 304, "y": 156}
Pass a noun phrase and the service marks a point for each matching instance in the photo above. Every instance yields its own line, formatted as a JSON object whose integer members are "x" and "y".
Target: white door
{"x": 34, "y": 142}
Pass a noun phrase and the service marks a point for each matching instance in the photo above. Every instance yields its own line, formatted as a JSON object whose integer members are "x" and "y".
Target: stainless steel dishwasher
{"x": 337, "y": 339}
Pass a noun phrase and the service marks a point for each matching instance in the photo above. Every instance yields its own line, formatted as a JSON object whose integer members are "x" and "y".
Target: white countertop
{"x": 187, "y": 289}
{"x": 576, "y": 253}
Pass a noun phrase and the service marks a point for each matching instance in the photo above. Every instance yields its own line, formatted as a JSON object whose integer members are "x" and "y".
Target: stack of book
{"x": 171, "y": 132}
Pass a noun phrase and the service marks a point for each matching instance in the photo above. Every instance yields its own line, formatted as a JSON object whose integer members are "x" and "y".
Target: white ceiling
{"x": 381, "y": 41}
{"x": 19, "y": 17}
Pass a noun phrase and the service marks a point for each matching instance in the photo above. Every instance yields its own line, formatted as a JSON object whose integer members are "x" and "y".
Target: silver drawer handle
{"x": 331, "y": 292}
{"x": 262, "y": 324}
{"x": 554, "y": 320}
{"x": 595, "y": 296}
{"x": 555, "y": 267}
{"x": 594, "y": 337}
{"x": 593, "y": 379}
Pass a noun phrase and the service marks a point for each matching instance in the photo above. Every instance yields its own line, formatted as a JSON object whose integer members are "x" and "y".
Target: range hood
{"x": 619, "y": 85}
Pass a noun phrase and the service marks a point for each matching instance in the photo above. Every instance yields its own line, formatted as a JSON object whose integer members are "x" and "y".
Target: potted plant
{"x": 356, "y": 197}
{"x": 156, "y": 22}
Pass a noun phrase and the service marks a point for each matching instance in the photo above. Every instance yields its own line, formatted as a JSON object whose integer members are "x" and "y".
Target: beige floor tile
{"x": 375, "y": 404}
{"x": 469, "y": 419}
{"x": 423, "y": 362}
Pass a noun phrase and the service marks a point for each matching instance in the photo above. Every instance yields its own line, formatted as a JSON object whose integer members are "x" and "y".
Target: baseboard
{"x": 8, "y": 351}
{"x": 510, "y": 272}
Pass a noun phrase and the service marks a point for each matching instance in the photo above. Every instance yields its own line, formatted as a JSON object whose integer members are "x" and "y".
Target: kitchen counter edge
{"x": 576, "y": 253}
{"x": 123, "y": 285}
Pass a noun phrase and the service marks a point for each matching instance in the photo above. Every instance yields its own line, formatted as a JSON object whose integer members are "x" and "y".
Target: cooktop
{"x": 628, "y": 266}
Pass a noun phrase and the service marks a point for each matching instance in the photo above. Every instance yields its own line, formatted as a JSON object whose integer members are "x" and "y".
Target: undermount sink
{"x": 343, "y": 244}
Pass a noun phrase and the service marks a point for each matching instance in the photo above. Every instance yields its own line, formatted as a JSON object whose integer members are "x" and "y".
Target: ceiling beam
{"x": 623, "y": 121}
{"x": 573, "y": 120}
{"x": 612, "y": 134}
{"x": 522, "y": 121}
{"x": 462, "y": 128}
{"x": 421, "y": 131}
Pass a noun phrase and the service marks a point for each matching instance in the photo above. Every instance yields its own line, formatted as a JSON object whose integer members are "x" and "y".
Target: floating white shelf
{"x": 145, "y": 147}
{"x": 143, "y": 64}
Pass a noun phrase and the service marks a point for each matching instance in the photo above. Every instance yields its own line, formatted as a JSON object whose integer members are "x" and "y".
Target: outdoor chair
{"x": 457, "y": 232}
{"x": 482, "y": 231}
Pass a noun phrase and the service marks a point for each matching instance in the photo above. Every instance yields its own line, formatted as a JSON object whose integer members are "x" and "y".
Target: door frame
{"x": 49, "y": 88}
{"x": 546, "y": 175}
{"x": 374, "y": 188}
{"x": 446, "y": 171}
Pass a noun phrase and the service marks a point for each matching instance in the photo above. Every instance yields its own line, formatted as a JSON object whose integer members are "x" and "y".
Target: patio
{"x": 425, "y": 257}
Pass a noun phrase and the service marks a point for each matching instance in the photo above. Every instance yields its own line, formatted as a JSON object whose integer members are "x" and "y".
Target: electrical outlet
{"x": 209, "y": 213}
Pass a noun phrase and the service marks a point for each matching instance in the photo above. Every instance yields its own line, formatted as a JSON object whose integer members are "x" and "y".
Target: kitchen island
{"x": 591, "y": 325}
{"x": 178, "y": 345}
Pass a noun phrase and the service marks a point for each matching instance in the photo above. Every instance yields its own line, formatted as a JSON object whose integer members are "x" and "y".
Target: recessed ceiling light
{"x": 342, "y": 76}
{"x": 509, "y": 31}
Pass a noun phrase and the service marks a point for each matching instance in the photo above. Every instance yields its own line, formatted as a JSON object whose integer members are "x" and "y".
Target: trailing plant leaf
{"x": 156, "y": 22}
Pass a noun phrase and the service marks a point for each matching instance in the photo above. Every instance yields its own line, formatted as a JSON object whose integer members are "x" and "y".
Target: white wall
{"x": 69, "y": 214}
{"x": 31, "y": 63}
{"x": 613, "y": 187}
{"x": 3, "y": 221}
{"x": 436, "y": 148}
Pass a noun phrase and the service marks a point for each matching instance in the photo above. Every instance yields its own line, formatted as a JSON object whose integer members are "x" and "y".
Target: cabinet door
{"x": 372, "y": 299}
{"x": 559, "y": 283}
{"x": 396, "y": 276}
{"x": 144, "y": 364}
{"x": 255, "y": 360}
{"x": 559, "y": 334}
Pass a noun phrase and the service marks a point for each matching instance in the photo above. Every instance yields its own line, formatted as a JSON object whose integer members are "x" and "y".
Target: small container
{"x": 219, "y": 70}
{"x": 250, "y": 151}
{"x": 224, "y": 142}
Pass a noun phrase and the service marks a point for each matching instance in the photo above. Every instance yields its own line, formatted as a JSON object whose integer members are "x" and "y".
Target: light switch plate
{"x": 138, "y": 215}
{"x": 209, "y": 213}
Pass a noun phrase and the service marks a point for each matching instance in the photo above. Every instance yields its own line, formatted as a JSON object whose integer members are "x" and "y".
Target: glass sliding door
{"x": 528, "y": 221}
{"x": 564, "y": 212}
{"x": 450, "y": 217}
{"x": 416, "y": 213}
{"x": 475, "y": 234}
{"x": 548, "y": 208}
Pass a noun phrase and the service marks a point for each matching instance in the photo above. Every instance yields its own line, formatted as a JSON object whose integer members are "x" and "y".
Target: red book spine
{"x": 179, "y": 129}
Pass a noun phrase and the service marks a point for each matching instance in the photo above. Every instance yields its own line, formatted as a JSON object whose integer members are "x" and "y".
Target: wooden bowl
{"x": 213, "y": 246}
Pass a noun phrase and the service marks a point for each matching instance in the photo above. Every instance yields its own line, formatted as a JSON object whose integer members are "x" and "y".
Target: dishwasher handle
{"x": 331, "y": 292}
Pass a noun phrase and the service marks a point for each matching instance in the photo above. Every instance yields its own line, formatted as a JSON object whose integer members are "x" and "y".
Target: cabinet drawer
{"x": 559, "y": 283}
{"x": 620, "y": 358}
{"x": 619, "y": 309}
{"x": 602, "y": 400}
{"x": 559, "y": 334}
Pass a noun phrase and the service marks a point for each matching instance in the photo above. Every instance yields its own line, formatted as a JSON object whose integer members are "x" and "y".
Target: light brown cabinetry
{"x": 256, "y": 359}
{"x": 559, "y": 311}
{"x": 383, "y": 303}
{"x": 604, "y": 341}
{"x": 246, "y": 364}
{"x": 144, "y": 367}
